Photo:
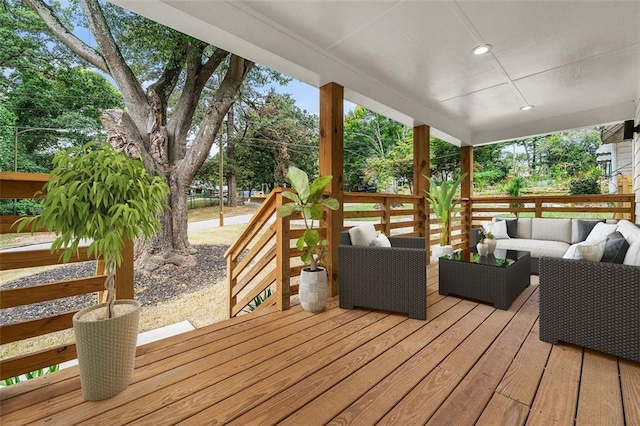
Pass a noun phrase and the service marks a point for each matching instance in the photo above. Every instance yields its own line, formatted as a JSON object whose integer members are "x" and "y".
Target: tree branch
{"x": 78, "y": 47}
{"x": 134, "y": 97}
{"x": 222, "y": 100}
{"x": 197, "y": 76}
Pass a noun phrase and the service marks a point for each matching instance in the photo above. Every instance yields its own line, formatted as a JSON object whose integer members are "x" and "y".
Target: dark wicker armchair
{"x": 591, "y": 304}
{"x": 391, "y": 279}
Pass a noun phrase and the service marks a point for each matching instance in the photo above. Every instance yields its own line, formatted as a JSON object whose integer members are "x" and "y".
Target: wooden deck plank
{"x": 269, "y": 387}
{"x": 374, "y": 404}
{"x": 557, "y": 396}
{"x": 630, "y": 384}
{"x": 521, "y": 381}
{"x": 423, "y": 402}
{"x": 216, "y": 371}
{"x": 191, "y": 359}
{"x": 328, "y": 405}
{"x": 600, "y": 400}
{"x": 470, "y": 398}
{"x": 355, "y": 367}
{"x": 503, "y": 411}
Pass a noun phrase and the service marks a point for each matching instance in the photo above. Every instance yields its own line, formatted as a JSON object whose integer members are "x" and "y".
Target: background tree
{"x": 368, "y": 139}
{"x": 445, "y": 160}
{"x": 179, "y": 69}
{"x": 275, "y": 134}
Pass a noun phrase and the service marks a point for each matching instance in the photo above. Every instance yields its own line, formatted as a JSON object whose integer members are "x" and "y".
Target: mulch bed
{"x": 162, "y": 285}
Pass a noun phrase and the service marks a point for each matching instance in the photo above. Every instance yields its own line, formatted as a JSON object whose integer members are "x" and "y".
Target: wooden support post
{"x": 386, "y": 218}
{"x": 124, "y": 273}
{"x": 466, "y": 191}
{"x": 283, "y": 259}
{"x": 421, "y": 168}
{"x": 331, "y": 163}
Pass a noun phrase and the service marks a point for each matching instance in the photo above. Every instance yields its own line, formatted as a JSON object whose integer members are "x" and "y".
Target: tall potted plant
{"x": 442, "y": 199}
{"x": 101, "y": 197}
{"x": 310, "y": 203}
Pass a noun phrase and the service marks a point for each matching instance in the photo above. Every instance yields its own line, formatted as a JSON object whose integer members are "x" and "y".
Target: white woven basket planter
{"x": 106, "y": 348}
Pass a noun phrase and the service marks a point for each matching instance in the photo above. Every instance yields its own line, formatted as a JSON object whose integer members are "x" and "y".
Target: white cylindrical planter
{"x": 313, "y": 290}
{"x": 106, "y": 348}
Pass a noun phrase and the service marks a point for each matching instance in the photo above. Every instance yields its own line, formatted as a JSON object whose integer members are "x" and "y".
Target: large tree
{"x": 179, "y": 71}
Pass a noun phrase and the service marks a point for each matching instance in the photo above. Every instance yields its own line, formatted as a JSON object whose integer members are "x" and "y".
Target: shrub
{"x": 584, "y": 186}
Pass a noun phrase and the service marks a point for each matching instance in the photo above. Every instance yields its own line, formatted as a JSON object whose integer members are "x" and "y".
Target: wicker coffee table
{"x": 497, "y": 278}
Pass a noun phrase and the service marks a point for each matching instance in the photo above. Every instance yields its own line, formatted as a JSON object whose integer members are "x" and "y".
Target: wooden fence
{"x": 25, "y": 186}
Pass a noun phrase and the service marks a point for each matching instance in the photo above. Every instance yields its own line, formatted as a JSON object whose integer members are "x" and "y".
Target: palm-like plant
{"x": 309, "y": 201}
{"x": 441, "y": 197}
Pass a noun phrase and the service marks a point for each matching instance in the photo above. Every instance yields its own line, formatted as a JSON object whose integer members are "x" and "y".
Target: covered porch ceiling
{"x": 576, "y": 62}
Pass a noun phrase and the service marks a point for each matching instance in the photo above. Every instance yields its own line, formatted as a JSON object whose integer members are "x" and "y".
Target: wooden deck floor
{"x": 468, "y": 364}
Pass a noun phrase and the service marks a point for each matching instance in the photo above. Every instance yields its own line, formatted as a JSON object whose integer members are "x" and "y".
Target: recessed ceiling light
{"x": 526, "y": 108}
{"x": 481, "y": 50}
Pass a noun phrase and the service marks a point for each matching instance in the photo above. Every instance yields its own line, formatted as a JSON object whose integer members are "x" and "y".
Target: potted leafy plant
{"x": 309, "y": 202}
{"x": 102, "y": 197}
{"x": 441, "y": 197}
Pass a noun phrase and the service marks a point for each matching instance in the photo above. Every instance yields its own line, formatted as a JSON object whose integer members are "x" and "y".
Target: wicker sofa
{"x": 594, "y": 304}
{"x": 539, "y": 236}
{"x": 386, "y": 278}
{"x": 591, "y": 304}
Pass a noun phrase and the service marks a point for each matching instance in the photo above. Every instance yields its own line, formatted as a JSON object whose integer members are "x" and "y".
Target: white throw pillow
{"x": 600, "y": 232}
{"x": 381, "y": 241}
{"x": 499, "y": 230}
{"x": 586, "y": 251}
{"x": 362, "y": 235}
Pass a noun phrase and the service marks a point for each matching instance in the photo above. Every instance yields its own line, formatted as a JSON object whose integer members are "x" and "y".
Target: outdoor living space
{"x": 550, "y": 67}
{"x": 468, "y": 363}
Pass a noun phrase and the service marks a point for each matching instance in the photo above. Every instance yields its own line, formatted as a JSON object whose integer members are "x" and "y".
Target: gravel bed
{"x": 162, "y": 285}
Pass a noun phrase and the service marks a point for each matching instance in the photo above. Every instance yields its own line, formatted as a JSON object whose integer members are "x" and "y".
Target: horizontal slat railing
{"x": 610, "y": 206}
{"x": 26, "y": 186}
{"x": 252, "y": 258}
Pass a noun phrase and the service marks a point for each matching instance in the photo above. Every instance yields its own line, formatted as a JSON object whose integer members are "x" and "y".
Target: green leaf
{"x": 331, "y": 203}
{"x": 286, "y": 209}
{"x": 300, "y": 182}
{"x": 318, "y": 185}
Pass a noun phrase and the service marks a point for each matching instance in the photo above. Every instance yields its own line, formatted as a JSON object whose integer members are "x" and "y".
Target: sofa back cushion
{"x": 551, "y": 230}
{"x": 629, "y": 231}
{"x": 524, "y": 228}
{"x": 633, "y": 255}
{"x": 581, "y": 228}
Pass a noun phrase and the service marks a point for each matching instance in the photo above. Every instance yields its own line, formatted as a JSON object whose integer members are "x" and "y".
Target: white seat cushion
{"x": 535, "y": 247}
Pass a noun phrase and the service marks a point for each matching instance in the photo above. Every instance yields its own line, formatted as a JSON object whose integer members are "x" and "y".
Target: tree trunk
{"x": 232, "y": 200}
{"x": 170, "y": 245}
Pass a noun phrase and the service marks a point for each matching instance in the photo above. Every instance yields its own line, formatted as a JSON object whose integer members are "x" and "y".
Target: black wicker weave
{"x": 484, "y": 281}
{"x": 391, "y": 279}
{"x": 591, "y": 304}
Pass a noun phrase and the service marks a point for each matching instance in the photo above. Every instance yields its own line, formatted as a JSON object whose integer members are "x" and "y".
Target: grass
{"x": 208, "y": 213}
